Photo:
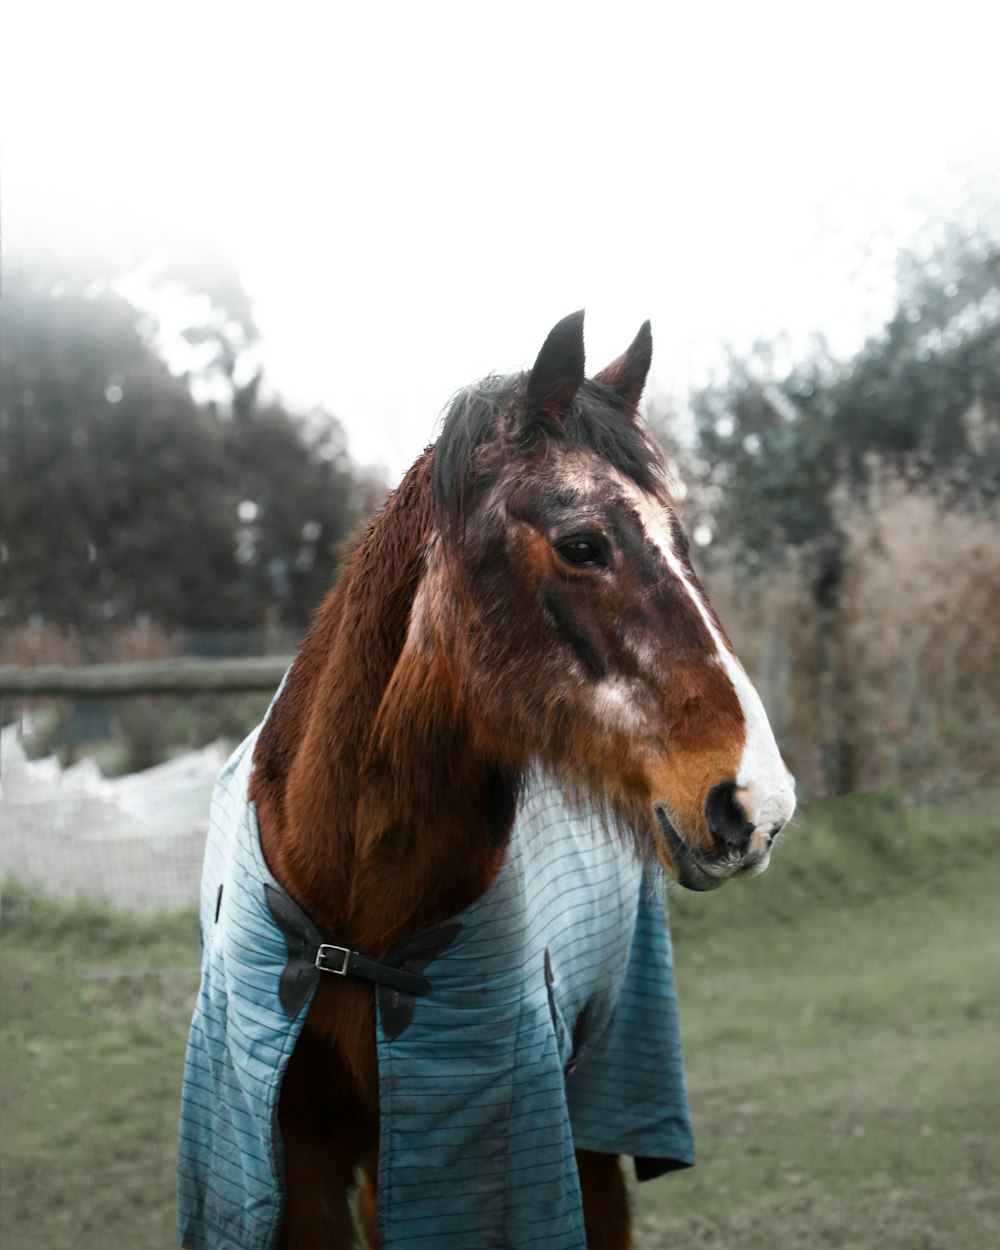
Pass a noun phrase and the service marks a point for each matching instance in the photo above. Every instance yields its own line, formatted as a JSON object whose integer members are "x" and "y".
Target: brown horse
{"x": 523, "y": 600}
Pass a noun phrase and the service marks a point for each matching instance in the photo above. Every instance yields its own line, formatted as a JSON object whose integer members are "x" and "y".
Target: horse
{"x": 523, "y": 605}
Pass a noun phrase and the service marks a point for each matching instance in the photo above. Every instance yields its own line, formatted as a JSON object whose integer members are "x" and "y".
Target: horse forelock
{"x": 486, "y": 432}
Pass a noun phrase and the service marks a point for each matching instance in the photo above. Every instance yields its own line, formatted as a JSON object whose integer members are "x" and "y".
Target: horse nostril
{"x": 775, "y": 829}
{"x": 727, "y": 820}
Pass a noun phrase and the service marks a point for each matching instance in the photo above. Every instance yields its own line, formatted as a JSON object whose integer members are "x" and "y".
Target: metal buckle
{"x": 343, "y": 950}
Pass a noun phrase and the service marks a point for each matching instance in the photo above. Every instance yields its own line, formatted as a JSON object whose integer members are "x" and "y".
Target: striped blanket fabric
{"x": 551, "y": 1025}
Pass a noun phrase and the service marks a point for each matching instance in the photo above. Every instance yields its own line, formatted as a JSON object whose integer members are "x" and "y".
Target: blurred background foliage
{"x": 845, "y": 514}
{"x": 144, "y": 482}
{"x": 154, "y": 500}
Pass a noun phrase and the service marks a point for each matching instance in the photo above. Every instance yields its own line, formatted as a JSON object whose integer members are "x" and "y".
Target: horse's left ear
{"x": 626, "y": 376}
{"x": 557, "y": 374}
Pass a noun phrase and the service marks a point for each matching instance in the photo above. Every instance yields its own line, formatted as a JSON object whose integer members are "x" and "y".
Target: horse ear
{"x": 626, "y": 376}
{"x": 557, "y": 374}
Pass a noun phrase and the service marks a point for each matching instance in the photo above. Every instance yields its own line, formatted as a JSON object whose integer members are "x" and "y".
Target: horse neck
{"x": 376, "y": 811}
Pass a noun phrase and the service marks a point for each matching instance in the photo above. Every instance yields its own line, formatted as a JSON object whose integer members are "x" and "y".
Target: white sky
{"x": 415, "y": 192}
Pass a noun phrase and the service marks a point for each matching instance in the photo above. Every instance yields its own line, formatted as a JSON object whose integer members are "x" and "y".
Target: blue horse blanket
{"x": 551, "y": 1025}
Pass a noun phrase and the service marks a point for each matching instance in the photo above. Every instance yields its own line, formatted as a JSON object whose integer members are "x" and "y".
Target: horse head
{"x": 559, "y": 598}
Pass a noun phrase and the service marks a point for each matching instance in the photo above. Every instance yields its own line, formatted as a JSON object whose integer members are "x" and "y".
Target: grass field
{"x": 94, "y": 1010}
{"x": 842, "y": 1032}
{"x": 842, "y": 1035}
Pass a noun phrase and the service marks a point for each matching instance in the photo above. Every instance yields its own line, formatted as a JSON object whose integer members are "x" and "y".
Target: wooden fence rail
{"x": 175, "y": 677}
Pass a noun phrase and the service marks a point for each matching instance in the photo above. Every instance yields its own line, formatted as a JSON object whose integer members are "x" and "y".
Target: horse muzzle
{"x": 737, "y": 846}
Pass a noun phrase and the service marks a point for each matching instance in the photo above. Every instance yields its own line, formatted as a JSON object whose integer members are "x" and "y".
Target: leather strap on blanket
{"x": 309, "y": 955}
{"x": 347, "y": 963}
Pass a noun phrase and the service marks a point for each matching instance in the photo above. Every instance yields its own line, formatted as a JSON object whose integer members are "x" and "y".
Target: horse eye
{"x": 582, "y": 553}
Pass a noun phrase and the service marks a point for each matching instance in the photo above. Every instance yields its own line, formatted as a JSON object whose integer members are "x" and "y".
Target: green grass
{"x": 94, "y": 1010}
{"x": 842, "y": 1032}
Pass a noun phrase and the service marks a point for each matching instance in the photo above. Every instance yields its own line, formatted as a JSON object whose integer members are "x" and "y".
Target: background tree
{"x": 121, "y": 495}
{"x": 800, "y": 467}
{"x": 775, "y": 450}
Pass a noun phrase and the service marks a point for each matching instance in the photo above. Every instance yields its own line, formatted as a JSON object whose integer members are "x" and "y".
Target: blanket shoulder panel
{"x": 528, "y": 1046}
{"x": 231, "y": 1165}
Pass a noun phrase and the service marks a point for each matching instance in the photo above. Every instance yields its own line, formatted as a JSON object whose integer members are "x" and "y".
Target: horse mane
{"x": 367, "y": 631}
{"x": 481, "y": 432}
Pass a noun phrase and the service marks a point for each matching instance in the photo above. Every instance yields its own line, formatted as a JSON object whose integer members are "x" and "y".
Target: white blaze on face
{"x": 764, "y": 784}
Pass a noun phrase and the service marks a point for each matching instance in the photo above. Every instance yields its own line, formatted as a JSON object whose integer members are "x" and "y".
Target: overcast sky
{"x": 415, "y": 192}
